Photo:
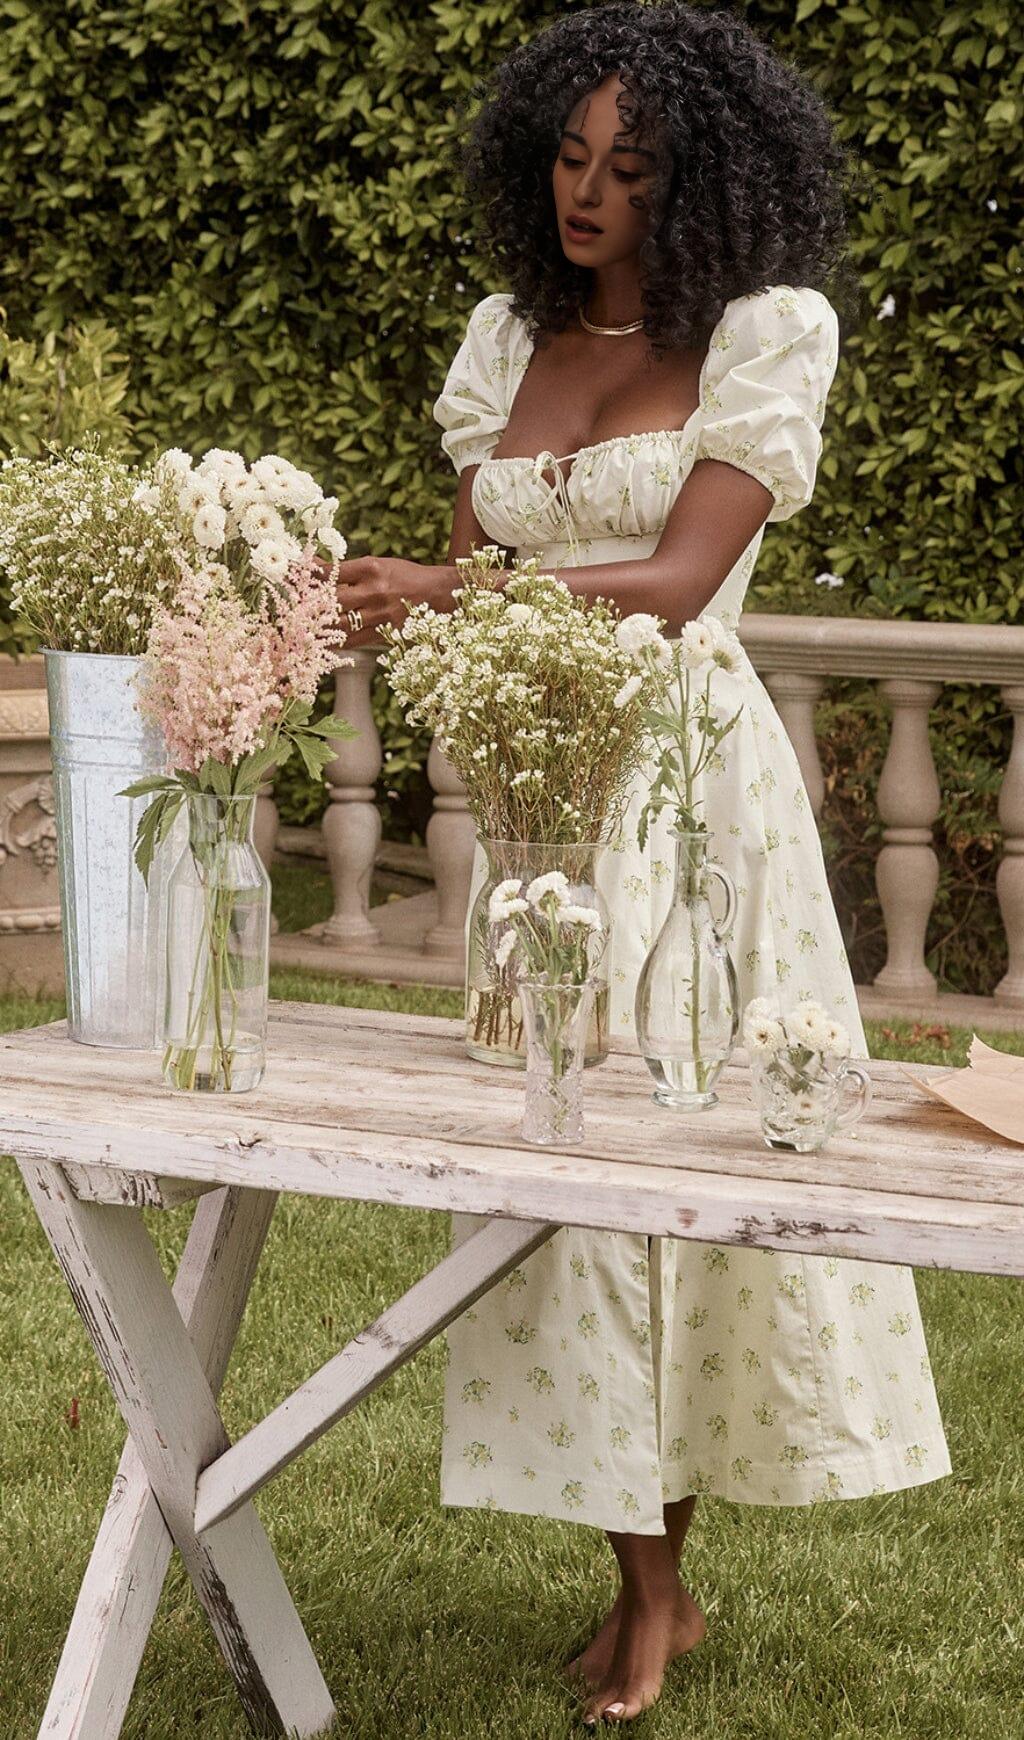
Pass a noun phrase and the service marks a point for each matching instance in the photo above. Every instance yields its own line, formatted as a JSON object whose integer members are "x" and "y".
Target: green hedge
{"x": 258, "y": 196}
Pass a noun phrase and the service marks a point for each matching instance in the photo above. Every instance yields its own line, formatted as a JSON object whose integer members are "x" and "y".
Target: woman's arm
{"x": 717, "y": 513}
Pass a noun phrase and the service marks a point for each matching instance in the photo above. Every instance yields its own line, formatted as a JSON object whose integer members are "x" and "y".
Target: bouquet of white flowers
{"x": 89, "y": 564}
{"x": 257, "y": 520}
{"x": 548, "y": 936}
{"x": 807, "y": 1030}
{"x": 524, "y": 689}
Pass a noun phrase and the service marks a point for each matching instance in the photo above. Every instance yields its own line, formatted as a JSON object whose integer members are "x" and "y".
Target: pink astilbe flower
{"x": 219, "y": 674}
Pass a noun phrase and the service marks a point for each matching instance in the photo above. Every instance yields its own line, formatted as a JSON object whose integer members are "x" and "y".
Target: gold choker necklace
{"x": 610, "y": 331}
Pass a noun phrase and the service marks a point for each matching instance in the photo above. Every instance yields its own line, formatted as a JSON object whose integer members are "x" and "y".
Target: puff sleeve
{"x": 771, "y": 362}
{"x": 472, "y": 406}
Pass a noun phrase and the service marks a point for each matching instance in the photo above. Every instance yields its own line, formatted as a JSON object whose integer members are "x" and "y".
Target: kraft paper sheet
{"x": 990, "y": 1090}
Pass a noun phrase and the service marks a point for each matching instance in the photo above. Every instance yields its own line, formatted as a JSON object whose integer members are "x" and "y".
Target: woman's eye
{"x": 573, "y": 162}
{"x": 626, "y": 174}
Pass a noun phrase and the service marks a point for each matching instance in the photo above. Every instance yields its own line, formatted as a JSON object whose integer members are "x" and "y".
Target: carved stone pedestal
{"x": 31, "y": 958}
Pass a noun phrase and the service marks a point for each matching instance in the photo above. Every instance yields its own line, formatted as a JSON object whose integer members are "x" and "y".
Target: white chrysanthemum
{"x": 333, "y": 543}
{"x": 271, "y": 468}
{"x": 504, "y": 948}
{"x": 146, "y": 496}
{"x": 837, "y": 1040}
{"x": 225, "y": 461}
{"x": 505, "y": 900}
{"x": 634, "y": 633}
{"x": 696, "y": 644}
{"x": 272, "y": 558}
{"x": 259, "y": 522}
{"x": 588, "y": 916}
{"x": 807, "y": 1025}
{"x": 209, "y": 527}
{"x": 553, "y": 882}
{"x": 296, "y": 489}
{"x": 760, "y": 1007}
{"x": 174, "y": 464}
{"x": 320, "y": 513}
{"x": 762, "y": 1035}
{"x": 195, "y": 493}
{"x": 629, "y": 690}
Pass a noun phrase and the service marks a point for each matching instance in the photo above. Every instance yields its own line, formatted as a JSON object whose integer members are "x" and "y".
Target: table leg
{"x": 119, "y": 1594}
{"x": 155, "y": 1372}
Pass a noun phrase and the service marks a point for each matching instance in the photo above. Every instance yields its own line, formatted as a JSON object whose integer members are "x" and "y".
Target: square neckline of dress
{"x": 610, "y": 440}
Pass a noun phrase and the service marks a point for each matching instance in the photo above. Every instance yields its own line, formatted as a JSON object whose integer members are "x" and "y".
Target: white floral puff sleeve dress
{"x": 610, "y": 1373}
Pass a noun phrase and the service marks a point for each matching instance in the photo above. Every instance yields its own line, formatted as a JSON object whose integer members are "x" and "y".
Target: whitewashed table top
{"x": 388, "y": 1108}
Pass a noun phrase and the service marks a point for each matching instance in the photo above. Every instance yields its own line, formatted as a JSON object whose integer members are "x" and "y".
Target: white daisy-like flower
{"x": 173, "y": 463}
{"x": 553, "y": 882}
{"x": 505, "y": 899}
{"x": 763, "y": 1036}
{"x": 296, "y": 489}
{"x": 333, "y": 543}
{"x": 886, "y": 308}
{"x": 805, "y": 1105}
{"x": 146, "y": 496}
{"x": 320, "y": 513}
{"x": 504, "y": 948}
{"x": 760, "y": 1007}
{"x": 272, "y": 558}
{"x": 807, "y": 1025}
{"x": 696, "y": 644}
{"x": 260, "y": 521}
{"x": 195, "y": 493}
{"x": 837, "y": 1040}
{"x": 588, "y": 916}
{"x": 629, "y": 690}
{"x": 634, "y": 633}
{"x": 225, "y": 461}
{"x": 209, "y": 527}
{"x": 270, "y": 468}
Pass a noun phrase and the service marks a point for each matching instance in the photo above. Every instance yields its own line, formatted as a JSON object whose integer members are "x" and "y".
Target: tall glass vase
{"x": 495, "y": 1032}
{"x": 687, "y": 1005}
{"x": 215, "y": 1027}
{"x": 555, "y": 1017}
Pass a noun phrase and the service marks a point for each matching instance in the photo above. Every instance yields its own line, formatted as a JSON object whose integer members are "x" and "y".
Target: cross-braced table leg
{"x": 168, "y": 1404}
{"x": 119, "y": 1594}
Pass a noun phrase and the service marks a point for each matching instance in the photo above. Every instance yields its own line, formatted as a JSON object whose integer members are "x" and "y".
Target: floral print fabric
{"x": 610, "y": 1373}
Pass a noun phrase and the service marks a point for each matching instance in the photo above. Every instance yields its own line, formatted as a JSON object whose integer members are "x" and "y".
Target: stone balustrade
{"x": 421, "y": 938}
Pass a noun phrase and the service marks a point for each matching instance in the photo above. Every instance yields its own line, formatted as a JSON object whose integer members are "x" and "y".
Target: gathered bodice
{"x": 761, "y": 401}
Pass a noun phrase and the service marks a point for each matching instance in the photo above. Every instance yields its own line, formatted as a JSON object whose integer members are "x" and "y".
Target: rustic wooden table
{"x": 387, "y": 1108}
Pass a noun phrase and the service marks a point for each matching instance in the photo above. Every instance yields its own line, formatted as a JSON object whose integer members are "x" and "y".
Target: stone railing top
{"x": 849, "y": 646}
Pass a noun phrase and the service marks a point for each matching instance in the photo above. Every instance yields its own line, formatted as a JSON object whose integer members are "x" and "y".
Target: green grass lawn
{"x": 898, "y": 1616}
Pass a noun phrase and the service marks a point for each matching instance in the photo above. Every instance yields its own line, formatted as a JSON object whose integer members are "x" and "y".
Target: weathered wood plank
{"x": 455, "y": 1283}
{"x": 119, "y": 1594}
{"x": 116, "y": 1281}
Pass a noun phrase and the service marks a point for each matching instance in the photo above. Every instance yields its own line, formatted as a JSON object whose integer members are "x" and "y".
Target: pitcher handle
{"x": 724, "y": 926}
{"x": 859, "y": 1077}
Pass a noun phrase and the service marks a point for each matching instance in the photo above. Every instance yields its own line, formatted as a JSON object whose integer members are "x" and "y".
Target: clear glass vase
{"x": 494, "y": 1020}
{"x": 687, "y": 1007}
{"x": 555, "y": 1018}
{"x": 800, "y": 1094}
{"x": 218, "y": 932}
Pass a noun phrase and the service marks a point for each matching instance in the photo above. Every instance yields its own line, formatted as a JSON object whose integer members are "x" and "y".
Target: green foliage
{"x": 258, "y": 195}
{"x": 57, "y": 389}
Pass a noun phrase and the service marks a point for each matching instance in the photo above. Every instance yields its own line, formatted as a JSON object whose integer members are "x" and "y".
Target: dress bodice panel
{"x": 761, "y": 401}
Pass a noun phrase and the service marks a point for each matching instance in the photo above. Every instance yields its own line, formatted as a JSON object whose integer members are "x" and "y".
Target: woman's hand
{"x": 378, "y": 589}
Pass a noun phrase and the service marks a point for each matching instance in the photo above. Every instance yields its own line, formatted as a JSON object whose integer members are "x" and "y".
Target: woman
{"x": 663, "y": 196}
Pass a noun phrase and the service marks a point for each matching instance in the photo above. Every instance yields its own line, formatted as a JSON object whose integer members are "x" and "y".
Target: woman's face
{"x": 603, "y": 177}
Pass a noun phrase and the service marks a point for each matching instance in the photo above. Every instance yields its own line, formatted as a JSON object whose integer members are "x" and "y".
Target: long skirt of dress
{"x": 611, "y": 1373}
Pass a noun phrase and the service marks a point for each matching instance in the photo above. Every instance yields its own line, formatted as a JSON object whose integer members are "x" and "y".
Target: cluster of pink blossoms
{"x": 219, "y": 675}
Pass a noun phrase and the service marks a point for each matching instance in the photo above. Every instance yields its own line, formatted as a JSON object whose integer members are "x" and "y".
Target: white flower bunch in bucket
{"x": 547, "y": 937}
{"x": 676, "y": 677}
{"x": 257, "y": 520}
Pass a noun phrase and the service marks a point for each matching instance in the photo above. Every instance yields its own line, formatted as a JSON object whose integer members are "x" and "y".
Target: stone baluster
{"x": 451, "y": 836}
{"x": 352, "y": 823}
{"x": 796, "y": 694}
{"x": 907, "y": 871}
{"x": 1010, "y": 875}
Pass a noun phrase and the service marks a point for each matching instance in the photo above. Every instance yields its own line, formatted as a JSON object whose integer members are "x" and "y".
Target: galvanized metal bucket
{"x": 114, "y": 939}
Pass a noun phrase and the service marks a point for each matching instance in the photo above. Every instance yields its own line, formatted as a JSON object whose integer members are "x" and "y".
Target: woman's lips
{"x": 581, "y": 231}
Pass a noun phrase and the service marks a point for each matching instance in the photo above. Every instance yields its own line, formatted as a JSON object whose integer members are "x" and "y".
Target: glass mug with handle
{"x": 802, "y": 1101}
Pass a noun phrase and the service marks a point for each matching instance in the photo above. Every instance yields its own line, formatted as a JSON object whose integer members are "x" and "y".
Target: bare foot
{"x": 593, "y": 1663}
{"x": 650, "y": 1636}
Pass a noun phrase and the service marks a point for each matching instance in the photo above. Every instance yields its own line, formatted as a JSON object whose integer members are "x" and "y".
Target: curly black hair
{"x": 752, "y": 181}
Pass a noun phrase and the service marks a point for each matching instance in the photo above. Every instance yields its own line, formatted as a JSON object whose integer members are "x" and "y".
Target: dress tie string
{"x": 560, "y": 491}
